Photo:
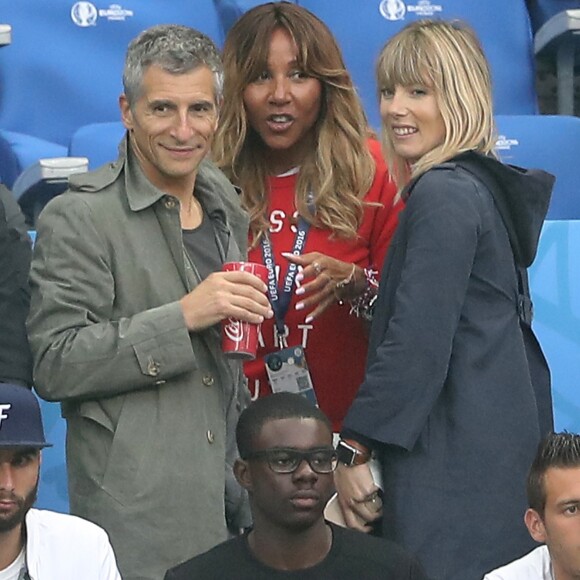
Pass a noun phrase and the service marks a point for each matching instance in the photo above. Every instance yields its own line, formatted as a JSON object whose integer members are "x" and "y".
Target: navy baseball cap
{"x": 20, "y": 419}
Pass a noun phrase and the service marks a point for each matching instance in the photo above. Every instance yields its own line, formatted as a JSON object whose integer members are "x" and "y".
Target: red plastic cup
{"x": 240, "y": 339}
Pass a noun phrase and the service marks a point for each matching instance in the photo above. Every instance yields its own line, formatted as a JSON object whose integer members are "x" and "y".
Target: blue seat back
{"x": 546, "y": 142}
{"x": 555, "y": 287}
{"x": 10, "y": 166}
{"x": 98, "y": 142}
{"x": 64, "y": 66}
{"x": 362, "y": 29}
{"x": 542, "y": 10}
{"x": 26, "y": 150}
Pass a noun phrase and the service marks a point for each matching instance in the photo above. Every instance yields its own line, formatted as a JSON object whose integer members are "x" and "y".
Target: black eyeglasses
{"x": 287, "y": 460}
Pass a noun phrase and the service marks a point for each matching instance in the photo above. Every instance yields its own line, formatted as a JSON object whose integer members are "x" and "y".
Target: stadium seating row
{"x": 63, "y": 67}
{"x": 548, "y": 142}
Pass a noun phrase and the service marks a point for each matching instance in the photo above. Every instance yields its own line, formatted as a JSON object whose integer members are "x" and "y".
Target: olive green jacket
{"x": 151, "y": 409}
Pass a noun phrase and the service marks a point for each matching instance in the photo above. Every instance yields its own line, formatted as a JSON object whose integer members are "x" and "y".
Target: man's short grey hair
{"x": 174, "y": 48}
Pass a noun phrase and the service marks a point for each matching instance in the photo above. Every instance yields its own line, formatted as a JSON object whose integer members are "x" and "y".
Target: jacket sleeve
{"x": 406, "y": 373}
{"x": 238, "y": 515}
{"x": 80, "y": 351}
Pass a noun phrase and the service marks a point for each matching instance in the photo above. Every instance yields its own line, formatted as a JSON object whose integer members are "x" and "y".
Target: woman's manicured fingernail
{"x": 300, "y": 290}
{"x": 300, "y": 306}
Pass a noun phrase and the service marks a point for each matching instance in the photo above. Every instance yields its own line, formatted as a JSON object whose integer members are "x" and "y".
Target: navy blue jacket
{"x": 455, "y": 397}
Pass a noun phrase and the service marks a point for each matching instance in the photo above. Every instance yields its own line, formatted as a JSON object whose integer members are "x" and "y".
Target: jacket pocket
{"x": 127, "y": 477}
{"x": 111, "y": 440}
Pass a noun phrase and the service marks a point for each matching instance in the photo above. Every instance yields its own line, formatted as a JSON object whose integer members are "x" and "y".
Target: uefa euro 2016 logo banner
{"x": 86, "y": 14}
{"x": 394, "y": 10}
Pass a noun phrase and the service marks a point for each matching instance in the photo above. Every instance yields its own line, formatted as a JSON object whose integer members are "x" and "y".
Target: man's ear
{"x": 242, "y": 473}
{"x": 126, "y": 113}
{"x": 535, "y": 525}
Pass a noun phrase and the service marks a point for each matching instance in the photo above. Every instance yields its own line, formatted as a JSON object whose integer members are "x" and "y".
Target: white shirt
{"x": 13, "y": 571}
{"x": 534, "y": 566}
{"x": 65, "y": 547}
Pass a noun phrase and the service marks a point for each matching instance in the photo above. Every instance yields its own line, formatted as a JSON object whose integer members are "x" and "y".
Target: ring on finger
{"x": 317, "y": 267}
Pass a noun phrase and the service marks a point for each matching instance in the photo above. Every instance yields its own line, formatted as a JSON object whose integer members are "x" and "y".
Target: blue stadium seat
{"x": 64, "y": 66}
{"x": 19, "y": 156}
{"x": 555, "y": 288}
{"x": 362, "y": 28}
{"x": 558, "y": 39}
{"x": 546, "y": 142}
{"x": 10, "y": 166}
{"x": 42, "y": 181}
{"x": 97, "y": 142}
{"x": 542, "y": 10}
{"x": 230, "y": 10}
{"x": 29, "y": 149}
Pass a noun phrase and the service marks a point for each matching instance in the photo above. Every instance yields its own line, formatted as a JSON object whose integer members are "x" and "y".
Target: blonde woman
{"x": 457, "y": 392}
{"x": 294, "y": 138}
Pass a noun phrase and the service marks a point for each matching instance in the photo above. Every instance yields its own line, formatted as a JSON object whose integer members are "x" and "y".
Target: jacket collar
{"x": 141, "y": 193}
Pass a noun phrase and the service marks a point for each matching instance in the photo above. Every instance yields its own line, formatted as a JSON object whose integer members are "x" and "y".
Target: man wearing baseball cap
{"x": 39, "y": 544}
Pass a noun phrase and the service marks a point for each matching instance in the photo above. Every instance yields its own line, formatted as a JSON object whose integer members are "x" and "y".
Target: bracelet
{"x": 363, "y": 306}
{"x": 344, "y": 283}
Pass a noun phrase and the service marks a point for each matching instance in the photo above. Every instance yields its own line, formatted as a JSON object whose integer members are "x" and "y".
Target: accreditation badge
{"x": 287, "y": 371}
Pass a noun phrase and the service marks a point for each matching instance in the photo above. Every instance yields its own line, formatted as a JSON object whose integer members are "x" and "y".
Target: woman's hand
{"x": 357, "y": 496}
{"x": 324, "y": 274}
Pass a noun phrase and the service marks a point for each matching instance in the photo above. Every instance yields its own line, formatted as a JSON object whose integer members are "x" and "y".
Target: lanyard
{"x": 280, "y": 298}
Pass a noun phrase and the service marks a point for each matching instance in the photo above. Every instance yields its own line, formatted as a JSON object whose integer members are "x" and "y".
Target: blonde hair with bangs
{"x": 340, "y": 169}
{"x": 447, "y": 57}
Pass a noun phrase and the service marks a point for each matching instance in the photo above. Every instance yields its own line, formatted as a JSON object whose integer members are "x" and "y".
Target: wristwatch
{"x": 350, "y": 454}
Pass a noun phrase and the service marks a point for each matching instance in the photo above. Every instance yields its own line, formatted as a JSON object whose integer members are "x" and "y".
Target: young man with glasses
{"x": 287, "y": 463}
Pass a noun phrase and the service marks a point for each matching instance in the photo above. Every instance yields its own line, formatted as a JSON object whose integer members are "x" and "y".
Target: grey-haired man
{"x": 127, "y": 294}
{"x": 39, "y": 544}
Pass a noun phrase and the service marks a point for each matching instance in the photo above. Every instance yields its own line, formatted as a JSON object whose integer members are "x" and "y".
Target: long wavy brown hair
{"x": 340, "y": 170}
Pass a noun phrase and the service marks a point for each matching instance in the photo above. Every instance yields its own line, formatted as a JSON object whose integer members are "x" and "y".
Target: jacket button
{"x": 152, "y": 368}
{"x": 207, "y": 380}
{"x": 169, "y": 202}
{"x": 210, "y": 436}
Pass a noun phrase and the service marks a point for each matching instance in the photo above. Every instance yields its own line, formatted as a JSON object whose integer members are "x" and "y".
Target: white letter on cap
{"x": 4, "y": 407}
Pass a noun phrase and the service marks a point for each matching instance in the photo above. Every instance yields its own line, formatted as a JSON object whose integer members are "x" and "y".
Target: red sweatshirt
{"x": 336, "y": 342}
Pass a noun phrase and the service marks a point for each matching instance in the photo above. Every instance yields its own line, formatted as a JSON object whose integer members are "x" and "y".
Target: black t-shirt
{"x": 201, "y": 247}
{"x": 353, "y": 556}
